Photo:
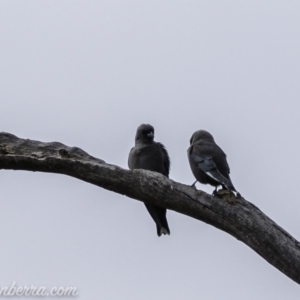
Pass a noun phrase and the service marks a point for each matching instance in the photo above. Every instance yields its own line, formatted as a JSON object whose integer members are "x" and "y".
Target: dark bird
{"x": 150, "y": 155}
{"x": 208, "y": 161}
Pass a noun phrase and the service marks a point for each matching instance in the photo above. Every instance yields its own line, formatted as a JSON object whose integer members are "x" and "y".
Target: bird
{"x": 208, "y": 162}
{"x": 153, "y": 156}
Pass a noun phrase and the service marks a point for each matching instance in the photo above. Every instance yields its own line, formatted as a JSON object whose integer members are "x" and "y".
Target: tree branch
{"x": 242, "y": 220}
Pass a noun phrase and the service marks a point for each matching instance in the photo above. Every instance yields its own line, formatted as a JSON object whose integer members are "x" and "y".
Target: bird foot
{"x": 226, "y": 195}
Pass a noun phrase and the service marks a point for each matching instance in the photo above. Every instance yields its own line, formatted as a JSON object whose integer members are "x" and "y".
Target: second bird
{"x": 150, "y": 155}
{"x": 208, "y": 161}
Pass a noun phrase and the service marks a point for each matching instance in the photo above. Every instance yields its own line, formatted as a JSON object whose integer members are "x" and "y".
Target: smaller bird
{"x": 150, "y": 155}
{"x": 208, "y": 162}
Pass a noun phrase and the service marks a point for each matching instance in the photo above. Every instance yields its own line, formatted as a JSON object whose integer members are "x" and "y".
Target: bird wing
{"x": 166, "y": 159}
{"x": 130, "y": 159}
{"x": 207, "y": 164}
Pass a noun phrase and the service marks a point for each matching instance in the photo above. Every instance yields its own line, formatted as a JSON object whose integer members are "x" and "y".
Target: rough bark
{"x": 242, "y": 219}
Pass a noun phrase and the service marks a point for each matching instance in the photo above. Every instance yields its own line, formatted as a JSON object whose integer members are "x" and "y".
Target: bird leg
{"x": 215, "y": 192}
{"x": 194, "y": 184}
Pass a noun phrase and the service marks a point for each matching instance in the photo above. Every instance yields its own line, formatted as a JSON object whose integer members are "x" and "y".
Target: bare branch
{"x": 242, "y": 220}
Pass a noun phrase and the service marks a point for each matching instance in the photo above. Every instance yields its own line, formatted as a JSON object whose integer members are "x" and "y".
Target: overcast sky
{"x": 87, "y": 74}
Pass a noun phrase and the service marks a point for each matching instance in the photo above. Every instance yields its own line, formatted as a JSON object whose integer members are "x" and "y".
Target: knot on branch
{"x": 4, "y": 149}
{"x": 64, "y": 153}
{"x": 77, "y": 153}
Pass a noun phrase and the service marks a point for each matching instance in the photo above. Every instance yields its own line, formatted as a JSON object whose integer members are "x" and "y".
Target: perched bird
{"x": 208, "y": 161}
{"x": 150, "y": 155}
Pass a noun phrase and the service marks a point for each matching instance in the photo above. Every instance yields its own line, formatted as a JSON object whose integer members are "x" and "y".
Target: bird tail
{"x": 163, "y": 230}
{"x": 159, "y": 215}
{"x": 162, "y": 226}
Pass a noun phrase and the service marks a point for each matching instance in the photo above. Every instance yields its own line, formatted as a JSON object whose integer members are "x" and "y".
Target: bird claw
{"x": 215, "y": 192}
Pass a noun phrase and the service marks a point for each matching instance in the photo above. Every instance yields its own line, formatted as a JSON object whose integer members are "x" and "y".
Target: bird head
{"x": 144, "y": 134}
{"x": 201, "y": 135}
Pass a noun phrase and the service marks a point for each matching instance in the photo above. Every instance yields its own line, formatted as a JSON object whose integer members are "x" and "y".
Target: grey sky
{"x": 87, "y": 74}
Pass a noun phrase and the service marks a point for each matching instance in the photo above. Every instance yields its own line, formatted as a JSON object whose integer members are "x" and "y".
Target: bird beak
{"x": 150, "y": 134}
